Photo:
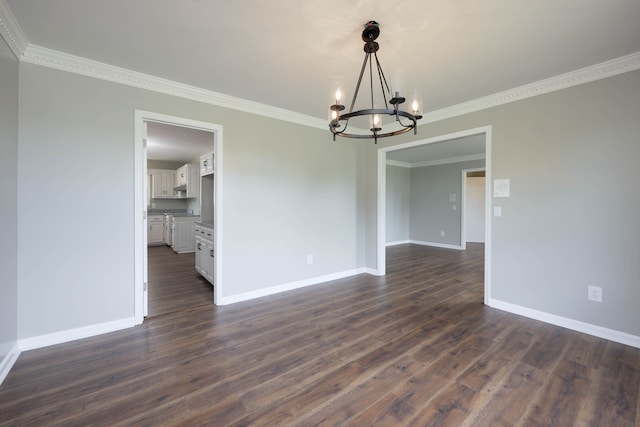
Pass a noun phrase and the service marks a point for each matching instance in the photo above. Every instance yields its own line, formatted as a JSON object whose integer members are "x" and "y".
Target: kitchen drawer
{"x": 204, "y": 232}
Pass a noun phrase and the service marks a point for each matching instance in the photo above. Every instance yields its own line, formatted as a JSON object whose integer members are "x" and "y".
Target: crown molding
{"x": 24, "y": 51}
{"x": 62, "y": 61}
{"x": 74, "y": 64}
{"x": 592, "y": 73}
{"x": 11, "y": 31}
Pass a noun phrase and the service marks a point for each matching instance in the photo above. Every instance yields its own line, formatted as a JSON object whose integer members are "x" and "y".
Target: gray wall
{"x": 572, "y": 218}
{"x": 288, "y": 191}
{"x": 9, "y": 196}
{"x": 397, "y": 204}
{"x": 431, "y": 210}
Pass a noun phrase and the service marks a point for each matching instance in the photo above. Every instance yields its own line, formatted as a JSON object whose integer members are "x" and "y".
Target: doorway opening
{"x": 485, "y": 134}
{"x": 474, "y": 184}
{"x": 146, "y": 206}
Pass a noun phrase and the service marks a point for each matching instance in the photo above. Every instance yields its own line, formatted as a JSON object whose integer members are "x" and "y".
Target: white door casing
{"x": 381, "y": 258}
{"x": 145, "y": 255}
{"x": 140, "y": 203}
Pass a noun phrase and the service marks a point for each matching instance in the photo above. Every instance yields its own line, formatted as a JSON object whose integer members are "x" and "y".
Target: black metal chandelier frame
{"x": 340, "y": 122}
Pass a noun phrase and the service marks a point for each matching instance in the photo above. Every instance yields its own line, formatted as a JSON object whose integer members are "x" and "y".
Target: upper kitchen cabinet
{"x": 187, "y": 181}
{"x": 162, "y": 183}
{"x": 206, "y": 164}
{"x": 182, "y": 176}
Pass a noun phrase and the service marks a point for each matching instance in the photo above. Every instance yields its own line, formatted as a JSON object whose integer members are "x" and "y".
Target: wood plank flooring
{"x": 174, "y": 284}
{"x": 416, "y": 347}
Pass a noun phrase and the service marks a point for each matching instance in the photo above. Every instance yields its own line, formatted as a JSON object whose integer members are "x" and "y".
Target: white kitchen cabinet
{"x": 199, "y": 251}
{"x": 183, "y": 234}
{"x": 187, "y": 181}
{"x": 201, "y": 255}
{"x": 193, "y": 182}
{"x": 205, "y": 253}
{"x": 204, "y": 231}
{"x": 208, "y": 261}
{"x": 155, "y": 232}
{"x": 206, "y": 164}
{"x": 182, "y": 176}
{"x": 162, "y": 184}
{"x": 168, "y": 223}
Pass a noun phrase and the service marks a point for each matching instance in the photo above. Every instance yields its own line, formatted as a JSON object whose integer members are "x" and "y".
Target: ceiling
{"x": 176, "y": 143}
{"x": 287, "y": 53}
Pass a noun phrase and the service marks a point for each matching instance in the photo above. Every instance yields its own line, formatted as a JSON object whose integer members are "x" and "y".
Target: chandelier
{"x": 404, "y": 121}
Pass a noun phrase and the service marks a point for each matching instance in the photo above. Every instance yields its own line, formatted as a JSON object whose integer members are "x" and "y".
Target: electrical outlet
{"x": 594, "y": 293}
{"x": 309, "y": 259}
{"x": 442, "y": 233}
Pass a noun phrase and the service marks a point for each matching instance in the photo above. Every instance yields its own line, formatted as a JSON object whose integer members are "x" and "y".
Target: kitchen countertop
{"x": 174, "y": 212}
{"x": 204, "y": 224}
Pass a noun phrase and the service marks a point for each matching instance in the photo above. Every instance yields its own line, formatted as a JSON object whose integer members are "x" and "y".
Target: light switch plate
{"x": 501, "y": 188}
{"x": 497, "y": 211}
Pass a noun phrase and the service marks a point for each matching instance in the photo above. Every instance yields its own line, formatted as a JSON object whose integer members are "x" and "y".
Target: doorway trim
{"x": 140, "y": 204}
{"x": 381, "y": 257}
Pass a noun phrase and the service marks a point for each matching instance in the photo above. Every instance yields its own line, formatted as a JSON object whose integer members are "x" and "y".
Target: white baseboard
{"x": 372, "y": 271}
{"x": 290, "y": 286}
{"x": 576, "y": 325}
{"x": 74, "y": 334}
{"x": 437, "y": 245}
{"x": 399, "y": 242}
{"x": 8, "y": 361}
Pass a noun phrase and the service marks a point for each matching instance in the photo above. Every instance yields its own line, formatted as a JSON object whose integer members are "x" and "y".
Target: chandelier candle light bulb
{"x": 375, "y": 123}
{"x": 416, "y": 105}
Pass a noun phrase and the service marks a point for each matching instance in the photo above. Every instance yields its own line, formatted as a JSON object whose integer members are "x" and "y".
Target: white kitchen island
{"x": 182, "y": 233}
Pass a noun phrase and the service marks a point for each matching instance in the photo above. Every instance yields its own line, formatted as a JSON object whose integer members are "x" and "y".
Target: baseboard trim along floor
{"x": 575, "y": 325}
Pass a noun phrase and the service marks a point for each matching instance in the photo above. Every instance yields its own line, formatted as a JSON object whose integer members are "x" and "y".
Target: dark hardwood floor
{"x": 174, "y": 284}
{"x": 416, "y": 347}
